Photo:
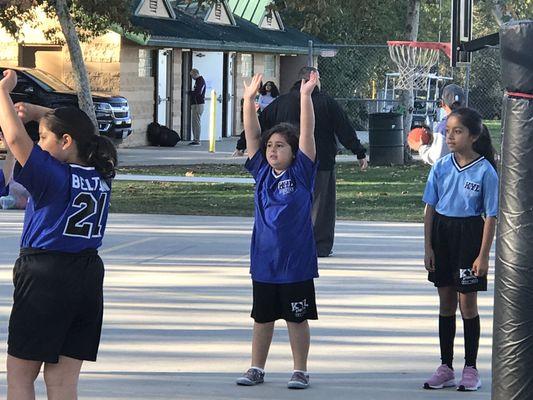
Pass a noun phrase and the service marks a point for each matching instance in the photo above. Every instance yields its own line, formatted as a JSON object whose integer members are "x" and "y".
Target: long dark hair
{"x": 473, "y": 121}
{"x": 274, "y": 92}
{"x": 94, "y": 150}
{"x": 288, "y": 131}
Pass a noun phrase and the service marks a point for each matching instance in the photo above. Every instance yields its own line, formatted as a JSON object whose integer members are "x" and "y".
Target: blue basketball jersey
{"x": 466, "y": 191}
{"x": 68, "y": 205}
{"x": 3, "y": 184}
{"x": 283, "y": 247}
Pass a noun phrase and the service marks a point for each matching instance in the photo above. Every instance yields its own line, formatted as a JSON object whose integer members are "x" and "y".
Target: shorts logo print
{"x": 299, "y": 308}
{"x": 467, "y": 277}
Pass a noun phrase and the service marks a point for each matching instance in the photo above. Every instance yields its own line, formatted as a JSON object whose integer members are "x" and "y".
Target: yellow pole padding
{"x": 373, "y": 89}
{"x": 212, "y": 121}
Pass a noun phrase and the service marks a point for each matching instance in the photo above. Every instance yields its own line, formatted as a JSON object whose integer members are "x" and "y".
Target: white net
{"x": 414, "y": 65}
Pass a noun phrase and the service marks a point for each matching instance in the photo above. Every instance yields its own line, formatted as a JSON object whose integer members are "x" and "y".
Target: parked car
{"x": 39, "y": 87}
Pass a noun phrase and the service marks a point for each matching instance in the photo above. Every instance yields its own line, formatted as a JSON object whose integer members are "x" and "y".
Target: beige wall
{"x": 101, "y": 55}
{"x": 139, "y": 92}
{"x": 9, "y": 51}
{"x": 102, "y": 60}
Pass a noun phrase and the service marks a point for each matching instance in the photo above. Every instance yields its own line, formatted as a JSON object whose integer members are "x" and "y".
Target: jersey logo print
{"x": 286, "y": 186}
{"x": 78, "y": 224}
{"x": 475, "y": 187}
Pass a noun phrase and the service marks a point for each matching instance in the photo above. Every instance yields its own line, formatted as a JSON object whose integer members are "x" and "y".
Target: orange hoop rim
{"x": 446, "y": 48}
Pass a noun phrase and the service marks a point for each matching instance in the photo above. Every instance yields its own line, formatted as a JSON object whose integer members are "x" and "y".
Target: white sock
{"x": 259, "y": 369}
{"x": 299, "y": 370}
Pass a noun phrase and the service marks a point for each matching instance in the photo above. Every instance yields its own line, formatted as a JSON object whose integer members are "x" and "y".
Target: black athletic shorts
{"x": 58, "y": 305}
{"x": 456, "y": 243}
{"x": 293, "y": 302}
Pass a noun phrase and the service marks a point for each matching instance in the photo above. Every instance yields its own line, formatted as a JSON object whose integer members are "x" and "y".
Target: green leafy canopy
{"x": 91, "y": 17}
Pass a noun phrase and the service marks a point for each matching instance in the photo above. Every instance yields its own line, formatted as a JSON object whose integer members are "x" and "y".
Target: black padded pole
{"x": 512, "y": 350}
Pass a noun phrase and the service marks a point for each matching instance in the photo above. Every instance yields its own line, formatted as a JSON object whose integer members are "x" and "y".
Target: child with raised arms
{"x": 56, "y": 317}
{"x": 283, "y": 253}
{"x": 461, "y": 199}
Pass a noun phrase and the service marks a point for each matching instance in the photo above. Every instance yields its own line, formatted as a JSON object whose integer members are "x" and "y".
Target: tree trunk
{"x": 407, "y": 97}
{"x": 85, "y": 99}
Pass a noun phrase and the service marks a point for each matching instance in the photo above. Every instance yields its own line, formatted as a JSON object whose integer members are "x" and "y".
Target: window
{"x": 145, "y": 63}
{"x": 247, "y": 65}
{"x": 270, "y": 66}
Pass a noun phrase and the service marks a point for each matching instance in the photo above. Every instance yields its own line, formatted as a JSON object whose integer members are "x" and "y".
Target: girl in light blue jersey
{"x": 461, "y": 199}
{"x": 283, "y": 253}
{"x": 57, "y": 310}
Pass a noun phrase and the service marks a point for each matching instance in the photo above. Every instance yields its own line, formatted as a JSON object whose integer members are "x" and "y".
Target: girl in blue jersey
{"x": 57, "y": 312}
{"x": 461, "y": 199}
{"x": 283, "y": 253}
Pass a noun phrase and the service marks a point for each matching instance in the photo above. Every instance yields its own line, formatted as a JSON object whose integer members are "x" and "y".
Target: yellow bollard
{"x": 212, "y": 121}
{"x": 373, "y": 89}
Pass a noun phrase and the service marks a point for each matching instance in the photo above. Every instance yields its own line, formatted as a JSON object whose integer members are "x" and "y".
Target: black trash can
{"x": 385, "y": 136}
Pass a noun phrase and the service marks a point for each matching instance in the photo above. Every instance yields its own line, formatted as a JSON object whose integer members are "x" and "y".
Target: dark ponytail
{"x": 102, "y": 155}
{"x": 94, "y": 150}
{"x": 472, "y": 120}
{"x": 483, "y": 146}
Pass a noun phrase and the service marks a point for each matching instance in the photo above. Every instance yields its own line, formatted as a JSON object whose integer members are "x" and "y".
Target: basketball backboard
{"x": 461, "y": 31}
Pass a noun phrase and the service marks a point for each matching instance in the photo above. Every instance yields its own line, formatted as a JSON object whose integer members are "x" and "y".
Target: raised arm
{"x": 307, "y": 117}
{"x": 252, "y": 130}
{"x": 30, "y": 112}
{"x": 16, "y": 137}
{"x": 7, "y": 168}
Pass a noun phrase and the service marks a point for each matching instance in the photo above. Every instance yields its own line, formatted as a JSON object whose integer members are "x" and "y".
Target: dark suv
{"x": 38, "y": 87}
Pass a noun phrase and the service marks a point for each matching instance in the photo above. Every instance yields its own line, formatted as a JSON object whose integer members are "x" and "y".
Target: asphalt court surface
{"x": 177, "y": 304}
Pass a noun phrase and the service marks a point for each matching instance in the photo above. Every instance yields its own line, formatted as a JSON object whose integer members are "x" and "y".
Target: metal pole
{"x": 310, "y": 55}
{"x": 212, "y": 121}
{"x": 467, "y": 84}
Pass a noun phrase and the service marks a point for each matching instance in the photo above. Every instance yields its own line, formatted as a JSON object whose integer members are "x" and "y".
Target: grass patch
{"x": 379, "y": 194}
{"x": 188, "y": 170}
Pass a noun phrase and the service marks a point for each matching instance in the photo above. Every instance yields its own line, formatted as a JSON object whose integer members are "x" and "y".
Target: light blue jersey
{"x": 467, "y": 191}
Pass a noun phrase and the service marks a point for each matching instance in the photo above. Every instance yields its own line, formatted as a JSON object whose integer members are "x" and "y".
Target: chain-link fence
{"x": 362, "y": 78}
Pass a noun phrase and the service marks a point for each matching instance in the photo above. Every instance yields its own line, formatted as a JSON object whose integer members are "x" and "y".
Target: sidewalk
{"x": 177, "y": 306}
{"x": 183, "y": 154}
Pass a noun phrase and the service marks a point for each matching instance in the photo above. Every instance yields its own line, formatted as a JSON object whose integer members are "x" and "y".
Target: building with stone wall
{"x": 227, "y": 42}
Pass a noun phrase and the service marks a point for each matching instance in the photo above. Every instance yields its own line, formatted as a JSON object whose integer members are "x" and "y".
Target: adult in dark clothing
{"x": 197, "y": 105}
{"x": 331, "y": 123}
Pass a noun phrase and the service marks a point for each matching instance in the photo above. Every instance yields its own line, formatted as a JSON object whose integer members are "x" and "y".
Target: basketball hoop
{"x": 414, "y": 61}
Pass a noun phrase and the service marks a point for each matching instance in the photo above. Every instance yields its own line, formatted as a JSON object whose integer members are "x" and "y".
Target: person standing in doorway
{"x": 197, "y": 105}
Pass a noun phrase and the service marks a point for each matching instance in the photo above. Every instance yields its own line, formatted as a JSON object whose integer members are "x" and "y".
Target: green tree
{"x": 78, "y": 20}
{"x": 347, "y": 21}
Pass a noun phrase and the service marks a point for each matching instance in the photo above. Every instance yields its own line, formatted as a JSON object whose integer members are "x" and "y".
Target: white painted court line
{"x": 191, "y": 179}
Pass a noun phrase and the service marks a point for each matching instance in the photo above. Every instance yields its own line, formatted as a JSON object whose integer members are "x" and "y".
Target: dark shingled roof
{"x": 188, "y": 31}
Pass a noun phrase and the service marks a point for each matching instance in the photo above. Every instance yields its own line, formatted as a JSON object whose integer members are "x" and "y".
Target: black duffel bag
{"x": 159, "y": 135}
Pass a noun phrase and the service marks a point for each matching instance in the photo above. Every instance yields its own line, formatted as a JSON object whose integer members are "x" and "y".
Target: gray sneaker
{"x": 299, "y": 380}
{"x": 251, "y": 377}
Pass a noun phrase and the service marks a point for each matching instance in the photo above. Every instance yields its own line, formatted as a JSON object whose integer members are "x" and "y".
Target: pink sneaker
{"x": 443, "y": 377}
{"x": 470, "y": 381}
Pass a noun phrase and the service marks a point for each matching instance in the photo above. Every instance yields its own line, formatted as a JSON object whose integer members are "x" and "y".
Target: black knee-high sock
{"x": 446, "y": 337}
{"x": 472, "y": 332}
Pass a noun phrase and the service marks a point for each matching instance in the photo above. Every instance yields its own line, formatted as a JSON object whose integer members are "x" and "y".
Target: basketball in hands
{"x": 418, "y": 136}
